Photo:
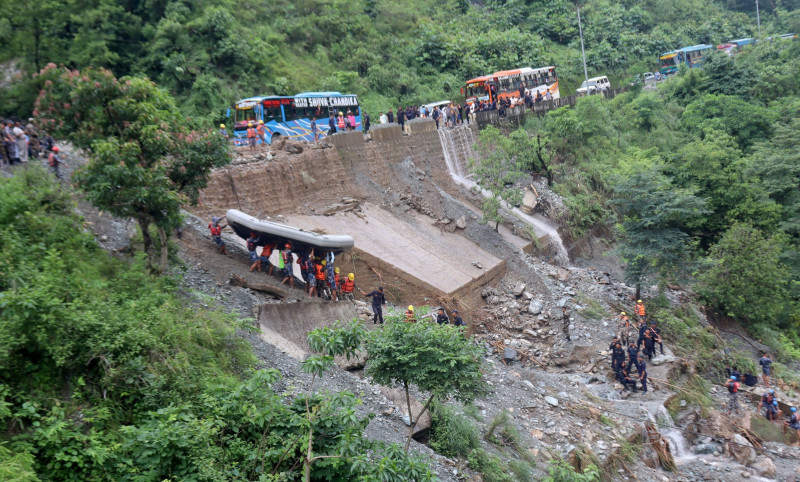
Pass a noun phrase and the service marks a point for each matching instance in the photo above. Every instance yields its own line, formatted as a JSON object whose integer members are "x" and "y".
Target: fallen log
{"x": 269, "y": 289}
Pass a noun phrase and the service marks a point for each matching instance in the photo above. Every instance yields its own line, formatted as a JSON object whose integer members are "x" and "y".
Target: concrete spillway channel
{"x": 412, "y": 258}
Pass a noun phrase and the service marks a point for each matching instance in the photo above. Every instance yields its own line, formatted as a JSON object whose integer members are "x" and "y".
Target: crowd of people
{"x": 445, "y": 116}
{"x": 317, "y": 270}
{"x": 623, "y": 347}
{"x": 769, "y": 401}
{"x": 21, "y": 143}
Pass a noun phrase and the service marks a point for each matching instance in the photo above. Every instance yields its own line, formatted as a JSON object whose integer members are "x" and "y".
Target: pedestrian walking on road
{"x": 378, "y": 300}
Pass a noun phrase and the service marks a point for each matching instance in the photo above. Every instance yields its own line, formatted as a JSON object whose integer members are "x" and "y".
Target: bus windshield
{"x": 476, "y": 90}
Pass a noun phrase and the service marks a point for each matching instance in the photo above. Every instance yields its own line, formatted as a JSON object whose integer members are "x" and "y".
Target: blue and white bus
{"x": 290, "y": 116}
{"x": 692, "y": 57}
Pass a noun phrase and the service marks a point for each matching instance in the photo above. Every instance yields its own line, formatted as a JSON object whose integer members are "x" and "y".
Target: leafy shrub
{"x": 452, "y": 434}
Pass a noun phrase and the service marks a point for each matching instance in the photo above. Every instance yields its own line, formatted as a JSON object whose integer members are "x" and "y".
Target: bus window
{"x": 245, "y": 115}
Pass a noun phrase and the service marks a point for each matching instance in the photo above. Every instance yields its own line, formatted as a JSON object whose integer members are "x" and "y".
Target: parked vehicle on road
{"x": 594, "y": 85}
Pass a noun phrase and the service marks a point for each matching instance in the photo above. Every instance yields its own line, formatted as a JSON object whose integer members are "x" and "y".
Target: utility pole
{"x": 583, "y": 52}
{"x": 758, "y": 19}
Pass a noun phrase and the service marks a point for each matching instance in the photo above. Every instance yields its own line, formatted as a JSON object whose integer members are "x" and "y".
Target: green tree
{"x": 503, "y": 161}
{"x": 145, "y": 159}
{"x": 745, "y": 277}
{"x": 327, "y": 343}
{"x": 435, "y": 358}
{"x": 656, "y": 216}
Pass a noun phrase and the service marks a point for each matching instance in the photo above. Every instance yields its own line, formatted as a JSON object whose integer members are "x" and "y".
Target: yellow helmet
{"x": 639, "y": 301}
{"x": 351, "y": 276}
{"x": 222, "y": 126}
{"x": 336, "y": 270}
{"x": 622, "y": 313}
{"x": 410, "y": 307}
{"x": 324, "y": 262}
{"x": 249, "y": 124}
{"x": 261, "y": 122}
{"x": 340, "y": 113}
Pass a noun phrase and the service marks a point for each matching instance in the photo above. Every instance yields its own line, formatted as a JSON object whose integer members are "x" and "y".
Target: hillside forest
{"x": 209, "y": 53}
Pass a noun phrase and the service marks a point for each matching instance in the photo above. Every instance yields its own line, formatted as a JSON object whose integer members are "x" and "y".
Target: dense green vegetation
{"x": 107, "y": 374}
{"x": 208, "y": 53}
{"x": 699, "y": 178}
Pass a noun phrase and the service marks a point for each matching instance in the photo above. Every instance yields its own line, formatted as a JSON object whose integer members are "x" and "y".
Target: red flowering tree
{"x": 145, "y": 160}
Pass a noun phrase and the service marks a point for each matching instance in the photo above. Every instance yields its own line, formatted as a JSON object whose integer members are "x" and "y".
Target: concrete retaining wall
{"x": 293, "y": 321}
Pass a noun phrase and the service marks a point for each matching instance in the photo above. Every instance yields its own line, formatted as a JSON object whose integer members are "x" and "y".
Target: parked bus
{"x": 692, "y": 57}
{"x": 290, "y": 116}
{"x": 506, "y": 83}
{"x": 478, "y": 90}
{"x": 735, "y": 46}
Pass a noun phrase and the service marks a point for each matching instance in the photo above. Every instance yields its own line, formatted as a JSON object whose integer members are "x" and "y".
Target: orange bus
{"x": 506, "y": 83}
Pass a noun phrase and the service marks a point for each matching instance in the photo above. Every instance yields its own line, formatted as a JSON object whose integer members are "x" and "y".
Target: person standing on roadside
{"x": 224, "y": 132}
{"x": 331, "y": 125}
{"x": 314, "y": 133}
{"x": 251, "y": 137}
{"x": 366, "y": 123}
{"x": 261, "y": 130}
{"x": 441, "y": 317}
{"x": 639, "y": 310}
{"x": 390, "y": 116}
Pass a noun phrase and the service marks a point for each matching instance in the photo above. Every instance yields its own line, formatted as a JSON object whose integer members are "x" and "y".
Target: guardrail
{"x": 516, "y": 115}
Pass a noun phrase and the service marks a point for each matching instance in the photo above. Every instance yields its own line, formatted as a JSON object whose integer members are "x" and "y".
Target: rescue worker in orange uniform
{"x": 261, "y": 131}
{"x": 319, "y": 274}
{"x": 216, "y": 234}
{"x": 624, "y": 325}
{"x": 251, "y": 137}
{"x": 409, "y": 314}
{"x": 348, "y": 285}
{"x": 639, "y": 309}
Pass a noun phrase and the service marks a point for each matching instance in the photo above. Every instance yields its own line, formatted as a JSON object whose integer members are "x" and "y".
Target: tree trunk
{"x": 638, "y": 290}
{"x": 497, "y": 226}
{"x": 147, "y": 241}
{"x": 411, "y": 415}
{"x": 162, "y": 237}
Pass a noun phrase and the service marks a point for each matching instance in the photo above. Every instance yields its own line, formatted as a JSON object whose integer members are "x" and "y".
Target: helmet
{"x": 772, "y": 391}
{"x": 639, "y": 301}
{"x": 55, "y": 149}
{"x": 324, "y": 262}
{"x": 336, "y": 270}
{"x": 351, "y": 276}
{"x": 775, "y": 403}
{"x": 793, "y": 409}
{"x": 214, "y": 219}
{"x": 222, "y": 126}
{"x": 410, "y": 307}
{"x": 340, "y": 113}
{"x": 455, "y": 311}
{"x": 261, "y": 122}
{"x": 622, "y": 313}
{"x": 249, "y": 124}
{"x": 733, "y": 377}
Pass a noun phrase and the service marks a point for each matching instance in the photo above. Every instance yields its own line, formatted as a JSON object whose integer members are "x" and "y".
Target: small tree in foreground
{"x": 435, "y": 358}
{"x": 145, "y": 159}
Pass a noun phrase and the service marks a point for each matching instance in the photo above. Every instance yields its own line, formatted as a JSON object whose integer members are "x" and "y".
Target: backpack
{"x": 733, "y": 387}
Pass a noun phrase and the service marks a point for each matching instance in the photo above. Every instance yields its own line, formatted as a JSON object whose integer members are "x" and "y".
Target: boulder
{"x": 461, "y": 223}
{"x": 552, "y": 401}
{"x": 398, "y": 397}
{"x": 529, "y": 202}
{"x": 765, "y": 467}
{"x": 535, "y": 307}
{"x": 519, "y": 289}
{"x": 562, "y": 302}
{"x": 509, "y": 354}
{"x": 742, "y": 450}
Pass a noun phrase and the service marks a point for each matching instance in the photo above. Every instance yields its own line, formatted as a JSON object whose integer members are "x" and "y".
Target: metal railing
{"x": 516, "y": 114}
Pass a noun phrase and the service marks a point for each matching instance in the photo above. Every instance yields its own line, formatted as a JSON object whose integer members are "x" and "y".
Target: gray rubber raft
{"x": 268, "y": 232}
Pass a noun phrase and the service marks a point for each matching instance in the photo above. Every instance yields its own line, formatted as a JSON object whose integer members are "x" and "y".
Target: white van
{"x": 594, "y": 85}
{"x": 441, "y": 104}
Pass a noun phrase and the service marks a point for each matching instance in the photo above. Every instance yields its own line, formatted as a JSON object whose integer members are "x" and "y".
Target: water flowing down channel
{"x": 458, "y": 148}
